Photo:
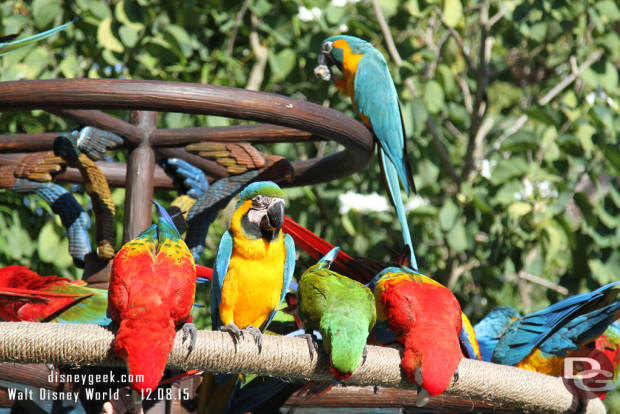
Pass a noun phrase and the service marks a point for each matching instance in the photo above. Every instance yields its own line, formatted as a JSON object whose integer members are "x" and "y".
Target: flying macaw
{"x": 8, "y": 44}
{"x": 152, "y": 289}
{"x": 541, "y": 340}
{"x": 368, "y": 83}
{"x": 73, "y": 217}
{"x": 28, "y": 296}
{"x": 252, "y": 272}
{"x": 426, "y": 318}
{"x": 203, "y": 202}
{"x": 341, "y": 309}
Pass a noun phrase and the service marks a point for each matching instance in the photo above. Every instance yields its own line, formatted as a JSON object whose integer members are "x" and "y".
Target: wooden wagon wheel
{"x": 79, "y": 100}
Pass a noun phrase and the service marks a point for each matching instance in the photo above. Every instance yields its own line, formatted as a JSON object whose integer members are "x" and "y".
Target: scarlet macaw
{"x": 364, "y": 270}
{"x": 28, "y": 296}
{"x": 541, "y": 340}
{"x": 252, "y": 272}
{"x": 609, "y": 344}
{"x": 152, "y": 289}
{"x": 427, "y": 319}
{"x": 341, "y": 309}
{"x": 368, "y": 83}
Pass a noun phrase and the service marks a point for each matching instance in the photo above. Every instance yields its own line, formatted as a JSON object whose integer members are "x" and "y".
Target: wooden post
{"x": 140, "y": 169}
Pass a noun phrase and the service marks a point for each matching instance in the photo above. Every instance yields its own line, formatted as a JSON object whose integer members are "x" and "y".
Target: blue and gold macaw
{"x": 252, "y": 272}
{"x": 542, "y": 340}
{"x": 368, "y": 83}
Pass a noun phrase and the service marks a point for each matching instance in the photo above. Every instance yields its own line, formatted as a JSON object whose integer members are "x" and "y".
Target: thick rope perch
{"x": 510, "y": 389}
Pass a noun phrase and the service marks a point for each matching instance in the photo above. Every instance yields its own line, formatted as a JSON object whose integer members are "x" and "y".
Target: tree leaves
{"x": 541, "y": 195}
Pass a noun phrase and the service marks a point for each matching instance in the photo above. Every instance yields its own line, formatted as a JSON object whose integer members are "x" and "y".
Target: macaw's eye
{"x": 260, "y": 201}
{"x": 327, "y": 47}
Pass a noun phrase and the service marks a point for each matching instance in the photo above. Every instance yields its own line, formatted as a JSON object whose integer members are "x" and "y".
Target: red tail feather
{"x": 360, "y": 270}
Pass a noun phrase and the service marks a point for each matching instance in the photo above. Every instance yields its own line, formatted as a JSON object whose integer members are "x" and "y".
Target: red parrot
{"x": 28, "y": 296}
{"x": 152, "y": 290}
{"x": 609, "y": 344}
{"x": 364, "y": 270}
{"x": 426, "y": 318}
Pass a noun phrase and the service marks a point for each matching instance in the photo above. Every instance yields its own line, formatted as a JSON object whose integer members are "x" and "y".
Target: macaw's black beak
{"x": 274, "y": 219}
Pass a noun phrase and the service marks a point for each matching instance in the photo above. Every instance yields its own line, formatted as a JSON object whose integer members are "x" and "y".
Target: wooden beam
{"x": 263, "y": 133}
{"x": 140, "y": 168}
{"x": 123, "y": 94}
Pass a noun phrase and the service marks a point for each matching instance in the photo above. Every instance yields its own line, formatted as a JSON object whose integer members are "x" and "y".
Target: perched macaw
{"x": 8, "y": 44}
{"x": 364, "y": 270}
{"x": 368, "y": 83}
{"x": 541, "y": 340}
{"x": 203, "y": 204}
{"x": 28, "y": 296}
{"x": 252, "y": 272}
{"x": 341, "y": 309}
{"x": 152, "y": 289}
{"x": 426, "y": 318}
{"x": 490, "y": 329}
{"x": 609, "y": 344}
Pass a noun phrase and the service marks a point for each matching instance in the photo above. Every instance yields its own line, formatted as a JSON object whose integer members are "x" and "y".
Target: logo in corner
{"x": 588, "y": 374}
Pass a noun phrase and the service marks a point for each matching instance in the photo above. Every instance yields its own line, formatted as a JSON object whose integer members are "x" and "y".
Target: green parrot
{"x": 341, "y": 309}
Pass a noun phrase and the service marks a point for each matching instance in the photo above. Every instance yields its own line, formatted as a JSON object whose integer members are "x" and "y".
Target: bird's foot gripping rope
{"x": 189, "y": 329}
{"x": 233, "y": 330}
{"x": 313, "y": 345}
{"x": 258, "y": 336}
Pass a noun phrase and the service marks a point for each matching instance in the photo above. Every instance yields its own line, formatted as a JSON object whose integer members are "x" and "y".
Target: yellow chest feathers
{"x": 253, "y": 283}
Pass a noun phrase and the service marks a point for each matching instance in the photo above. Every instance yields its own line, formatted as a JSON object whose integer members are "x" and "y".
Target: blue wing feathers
{"x": 220, "y": 269}
{"x": 376, "y": 97}
{"x": 393, "y": 188}
{"x": 558, "y": 327}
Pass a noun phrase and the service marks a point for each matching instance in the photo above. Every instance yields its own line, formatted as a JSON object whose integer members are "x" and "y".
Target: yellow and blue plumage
{"x": 367, "y": 81}
{"x": 252, "y": 272}
{"x": 542, "y": 340}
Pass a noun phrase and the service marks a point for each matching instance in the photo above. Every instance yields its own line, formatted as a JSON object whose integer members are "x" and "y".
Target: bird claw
{"x": 313, "y": 345}
{"x": 189, "y": 329}
{"x": 258, "y": 336}
{"x": 233, "y": 330}
{"x": 456, "y": 376}
{"x": 364, "y": 354}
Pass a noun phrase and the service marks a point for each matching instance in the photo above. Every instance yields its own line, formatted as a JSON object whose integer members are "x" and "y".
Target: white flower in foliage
{"x": 343, "y": 3}
{"x": 308, "y": 15}
{"x": 364, "y": 203}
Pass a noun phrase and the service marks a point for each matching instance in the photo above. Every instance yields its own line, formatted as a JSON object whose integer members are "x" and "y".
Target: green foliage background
{"x": 521, "y": 97}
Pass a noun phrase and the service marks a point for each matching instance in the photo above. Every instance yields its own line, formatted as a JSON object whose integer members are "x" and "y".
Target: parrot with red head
{"x": 152, "y": 288}
{"x": 426, "y": 318}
